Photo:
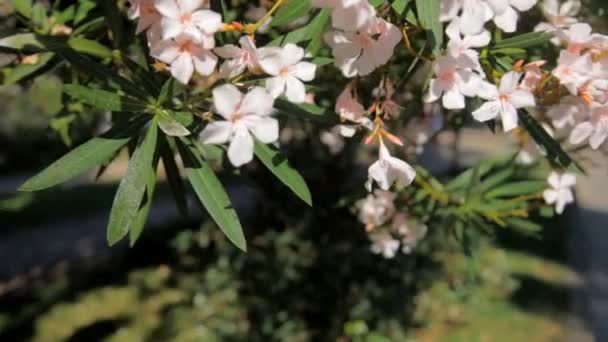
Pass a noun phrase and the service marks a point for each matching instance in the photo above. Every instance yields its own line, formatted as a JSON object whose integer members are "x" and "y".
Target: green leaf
{"x": 399, "y": 6}
{"x": 212, "y": 194}
{"x": 84, "y": 7}
{"x": 23, "y": 7}
{"x": 86, "y": 156}
{"x": 89, "y": 66}
{"x": 104, "y": 100}
{"x": 21, "y": 41}
{"x": 279, "y": 166}
{"x": 173, "y": 176}
{"x": 554, "y": 150}
{"x": 305, "y": 111}
{"x": 21, "y": 71}
{"x": 290, "y": 11}
{"x": 170, "y": 126}
{"x": 143, "y": 76}
{"x": 40, "y": 18}
{"x": 523, "y": 41}
{"x": 115, "y": 21}
{"x": 144, "y": 208}
{"x": 90, "y": 47}
{"x": 428, "y": 13}
{"x": 132, "y": 188}
{"x": 517, "y": 189}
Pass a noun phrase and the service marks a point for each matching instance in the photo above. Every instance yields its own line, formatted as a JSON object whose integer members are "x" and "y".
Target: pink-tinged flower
{"x": 505, "y": 101}
{"x": 388, "y": 106}
{"x": 568, "y": 112}
{"x": 361, "y": 52}
{"x": 289, "y": 72}
{"x": 461, "y": 47}
{"x": 348, "y": 15}
{"x": 595, "y": 129}
{"x": 383, "y": 243}
{"x": 246, "y": 116}
{"x": 184, "y": 57}
{"x": 410, "y": 232}
{"x": 573, "y": 70}
{"x": 146, "y": 13}
{"x": 559, "y": 16}
{"x": 238, "y": 58}
{"x": 471, "y": 15}
{"x": 350, "y": 110}
{"x": 560, "y": 190}
{"x": 533, "y": 75}
{"x": 452, "y": 83}
{"x": 376, "y": 209}
{"x": 578, "y": 37}
{"x": 506, "y": 12}
{"x": 388, "y": 170}
{"x": 186, "y": 17}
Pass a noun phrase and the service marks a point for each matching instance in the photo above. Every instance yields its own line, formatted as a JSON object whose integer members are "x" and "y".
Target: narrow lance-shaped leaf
{"x": 212, "y": 194}
{"x": 21, "y": 71}
{"x": 173, "y": 176}
{"x": 279, "y": 166}
{"x": 553, "y": 148}
{"x": 428, "y": 13}
{"x": 104, "y": 100}
{"x": 90, "y": 66}
{"x": 146, "y": 203}
{"x": 132, "y": 187}
{"x": 290, "y": 11}
{"x": 523, "y": 41}
{"x": 86, "y": 156}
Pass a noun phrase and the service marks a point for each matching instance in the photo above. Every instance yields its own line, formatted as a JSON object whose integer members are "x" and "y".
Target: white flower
{"x": 348, "y": 15}
{"x": 186, "y": 17}
{"x": 351, "y": 111}
{"x": 237, "y": 59}
{"x": 505, "y": 101}
{"x": 461, "y": 48}
{"x": 376, "y": 209}
{"x": 577, "y": 36}
{"x": 452, "y": 83}
{"x": 595, "y": 129}
{"x": 388, "y": 170}
{"x": 558, "y": 16}
{"x": 184, "y": 56}
{"x": 410, "y": 233}
{"x": 473, "y": 14}
{"x": 567, "y": 112}
{"x": 560, "y": 192}
{"x": 146, "y": 13}
{"x": 286, "y": 65}
{"x": 385, "y": 244}
{"x": 506, "y": 12}
{"x": 244, "y": 116}
{"x": 573, "y": 70}
{"x": 361, "y": 52}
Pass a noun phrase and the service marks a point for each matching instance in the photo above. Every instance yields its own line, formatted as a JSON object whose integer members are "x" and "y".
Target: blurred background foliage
{"x": 308, "y": 276}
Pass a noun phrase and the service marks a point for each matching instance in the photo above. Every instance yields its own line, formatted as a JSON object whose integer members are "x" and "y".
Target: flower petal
{"x": 216, "y": 132}
{"x": 182, "y": 68}
{"x": 295, "y": 90}
{"x": 240, "y": 151}
{"x": 226, "y": 99}
{"x": 257, "y": 102}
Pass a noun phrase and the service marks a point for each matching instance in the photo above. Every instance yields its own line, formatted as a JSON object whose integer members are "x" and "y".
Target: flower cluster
{"x": 388, "y": 229}
{"x": 180, "y": 34}
{"x": 572, "y": 92}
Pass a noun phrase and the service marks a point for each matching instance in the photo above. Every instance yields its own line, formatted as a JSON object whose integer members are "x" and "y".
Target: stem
{"x": 251, "y": 28}
{"x": 408, "y": 45}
